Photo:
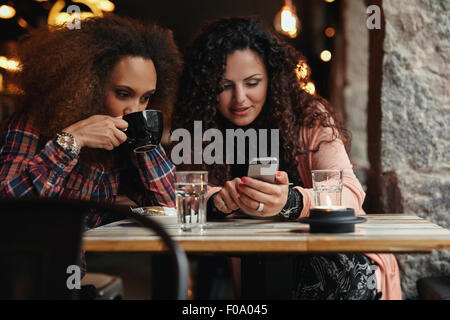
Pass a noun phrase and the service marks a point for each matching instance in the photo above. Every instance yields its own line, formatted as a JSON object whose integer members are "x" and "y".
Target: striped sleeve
{"x": 157, "y": 174}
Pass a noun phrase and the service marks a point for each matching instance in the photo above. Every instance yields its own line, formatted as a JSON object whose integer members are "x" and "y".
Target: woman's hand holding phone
{"x": 263, "y": 192}
{"x": 227, "y": 200}
{"x": 272, "y": 197}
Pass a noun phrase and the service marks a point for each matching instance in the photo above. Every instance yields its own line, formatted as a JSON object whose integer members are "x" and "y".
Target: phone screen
{"x": 263, "y": 169}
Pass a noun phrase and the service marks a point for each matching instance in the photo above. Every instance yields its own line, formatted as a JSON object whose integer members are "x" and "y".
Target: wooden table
{"x": 394, "y": 233}
{"x": 268, "y": 247}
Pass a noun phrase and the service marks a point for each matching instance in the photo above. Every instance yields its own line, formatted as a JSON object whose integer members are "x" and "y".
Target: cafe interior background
{"x": 384, "y": 65}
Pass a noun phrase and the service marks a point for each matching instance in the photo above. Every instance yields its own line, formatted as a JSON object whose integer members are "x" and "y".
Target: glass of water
{"x": 327, "y": 188}
{"x": 190, "y": 189}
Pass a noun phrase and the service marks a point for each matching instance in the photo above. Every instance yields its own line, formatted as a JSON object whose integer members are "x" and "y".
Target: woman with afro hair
{"x": 239, "y": 75}
{"x": 65, "y": 139}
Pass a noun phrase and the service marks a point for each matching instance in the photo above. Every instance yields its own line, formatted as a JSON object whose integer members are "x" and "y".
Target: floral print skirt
{"x": 335, "y": 277}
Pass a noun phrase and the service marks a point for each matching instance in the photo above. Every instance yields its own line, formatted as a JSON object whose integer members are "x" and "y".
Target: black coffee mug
{"x": 145, "y": 129}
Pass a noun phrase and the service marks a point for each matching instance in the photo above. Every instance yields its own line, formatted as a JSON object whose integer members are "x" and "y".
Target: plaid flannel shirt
{"x": 30, "y": 166}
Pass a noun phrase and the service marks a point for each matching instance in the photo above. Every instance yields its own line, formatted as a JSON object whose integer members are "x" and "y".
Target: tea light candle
{"x": 332, "y": 219}
{"x": 329, "y": 217}
{"x": 329, "y": 208}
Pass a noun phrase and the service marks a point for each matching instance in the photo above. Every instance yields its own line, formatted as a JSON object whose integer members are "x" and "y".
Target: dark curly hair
{"x": 288, "y": 106}
{"x": 64, "y": 71}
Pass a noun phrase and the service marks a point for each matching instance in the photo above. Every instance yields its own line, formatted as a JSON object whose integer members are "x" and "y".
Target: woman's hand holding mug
{"x": 99, "y": 132}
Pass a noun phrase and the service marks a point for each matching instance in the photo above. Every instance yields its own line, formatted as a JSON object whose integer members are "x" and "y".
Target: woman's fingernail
{"x": 240, "y": 185}
{"x": 278, "y": 174}
{"x": 239, "y": 190}
{"x": 243, "y": 180}
{"x": 239, "y": 198}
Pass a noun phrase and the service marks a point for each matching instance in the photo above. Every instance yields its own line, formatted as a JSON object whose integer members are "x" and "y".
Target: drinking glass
{"x": 190, "y": 189}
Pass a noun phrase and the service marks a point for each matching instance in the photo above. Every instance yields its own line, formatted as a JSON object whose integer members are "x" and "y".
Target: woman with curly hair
{"x": 64, "y": 139}
{"x": 238, "y": 75}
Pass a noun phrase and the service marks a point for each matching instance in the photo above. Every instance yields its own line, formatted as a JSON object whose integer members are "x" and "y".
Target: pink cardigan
{"x": 334, "y": 156}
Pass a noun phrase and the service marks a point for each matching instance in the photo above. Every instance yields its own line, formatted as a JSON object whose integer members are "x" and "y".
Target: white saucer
{"x": 165, "y": 215}
{"x": 165, "y": 220}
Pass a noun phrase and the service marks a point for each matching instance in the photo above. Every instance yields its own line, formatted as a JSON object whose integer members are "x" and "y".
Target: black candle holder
{"x": 330, "y": 220}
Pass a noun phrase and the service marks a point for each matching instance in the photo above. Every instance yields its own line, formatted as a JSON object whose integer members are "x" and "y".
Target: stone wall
{"x": 414, "y": 132}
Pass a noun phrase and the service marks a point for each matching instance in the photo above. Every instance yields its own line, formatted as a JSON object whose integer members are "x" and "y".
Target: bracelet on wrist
{"x": 67, "y": 142}
{"x": 293, "y": 206}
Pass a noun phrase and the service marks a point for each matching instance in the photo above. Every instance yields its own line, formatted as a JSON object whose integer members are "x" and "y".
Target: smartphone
{"x": 263, "y": 169}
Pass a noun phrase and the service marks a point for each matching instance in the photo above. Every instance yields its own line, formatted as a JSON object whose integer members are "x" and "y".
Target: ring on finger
{"x": 260, "y": 207}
